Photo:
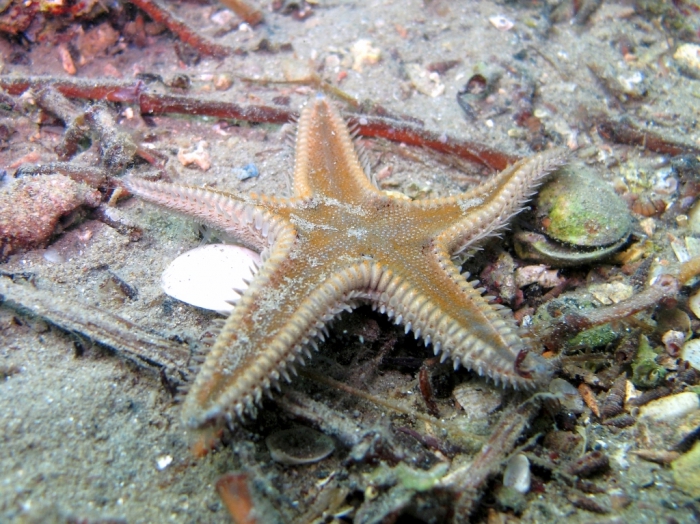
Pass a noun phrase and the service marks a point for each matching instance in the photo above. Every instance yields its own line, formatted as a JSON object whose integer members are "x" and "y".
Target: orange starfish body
{"x": 339, "y": 241}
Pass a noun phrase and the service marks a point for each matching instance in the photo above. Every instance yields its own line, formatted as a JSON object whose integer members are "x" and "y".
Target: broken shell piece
{"x": 198, "y": 156}
{"x": 608, "y": 293}
{"x": 691, "y": 353}
{"x": 207, "y": 276}
{"x": 517, "y": 474}
{"x": 501, "y": 23}
{"x": 670, "y": 408}
{"x": 694, "y": 303}
{"x": 301, "y": 445}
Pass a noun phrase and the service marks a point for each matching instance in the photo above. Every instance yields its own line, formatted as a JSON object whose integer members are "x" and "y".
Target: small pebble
{"x": 691, "y": 353}
{"x": 223, "y": 82}
{"x": 540, "y": 274}
{"x": 517, "y": 474}
{"x": 687, "y": 56}
{"x": 424, "y": 81}
{"x": 301, "y": 445}
{"x": 206, "y": 276}
{"x": 364, "y": 53}
{"x": 198, "y": 156}
{"x": 670, "y": 408}
{"x": 163, "y": 462}
{"x": 246, "y": 172}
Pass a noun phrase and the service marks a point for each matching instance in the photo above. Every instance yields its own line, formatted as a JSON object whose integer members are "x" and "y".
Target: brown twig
{"x": 368, "y": 126}
{"x": 401, "y": 131}
{"x": 183, "y": 32}
{"x": 128, "y": 340}
{"x": 111, "y": 91}
{"x": 627, "y": 133}
{"x": 568, "y": 325}
{"x": 155, "y": 104}
{"x": 467, "y": 481}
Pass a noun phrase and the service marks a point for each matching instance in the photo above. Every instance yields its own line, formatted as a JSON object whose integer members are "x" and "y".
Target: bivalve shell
{"x": 207, "y": 276}
{"x": 517, "y": 474}
{"x": 301, "y": 445}
{"x": 578, "y": 208}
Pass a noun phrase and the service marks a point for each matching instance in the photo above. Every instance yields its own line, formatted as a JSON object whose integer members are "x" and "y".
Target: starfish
{"x": 340, "y": 241}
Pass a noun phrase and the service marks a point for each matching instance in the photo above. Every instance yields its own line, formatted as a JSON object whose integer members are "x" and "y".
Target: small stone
{"x": 691, "y": 353}
{"x": 30, "y": 209}
{"x": 424, "y": 81}
{"x": 687, "y": 56}
{"x": 198, "y": 156}
{"x": 517, "y": 474}
{"x": 540, "y": 274}
{"x": 223, "y": 82}
{"x": 66, "y": 59}
{"x": 246, "y": 172}
{"x": 364, "y": 53}
{"x": 207, "y": 276}
{"x": 670, "y": 408}
{"x": 297, "y": 446}
{"x": 163, "y": 462}
{"x": 95, "y": 42}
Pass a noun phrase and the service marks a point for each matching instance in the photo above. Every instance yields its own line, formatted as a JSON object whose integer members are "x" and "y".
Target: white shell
{"x": 206, "y": 276}
{"x": 691, "y": 353}
{"x": 517, "y": 474}
{"x": 478, "y": 400}
{"x": 672, "y": 407}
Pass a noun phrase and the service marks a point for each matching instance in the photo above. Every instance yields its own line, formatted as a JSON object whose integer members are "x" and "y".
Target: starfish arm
{"x": 439, "y": 305}
{"x": 250, "y": 219}
{"x": 327, "y": 163}
{"x": 283, "y": 312}
{"x": 488, "y": 209}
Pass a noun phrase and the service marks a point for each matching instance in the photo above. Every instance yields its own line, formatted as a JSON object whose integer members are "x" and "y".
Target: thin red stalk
{"x": 396, "y": 131}
{"x": 183, "y": 32}
{"x": 112, "y": 91}
{"x": 151, "y": 103}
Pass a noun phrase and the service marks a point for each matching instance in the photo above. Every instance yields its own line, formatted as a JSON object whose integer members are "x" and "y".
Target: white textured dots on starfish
{"x": 339, "y": 241}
